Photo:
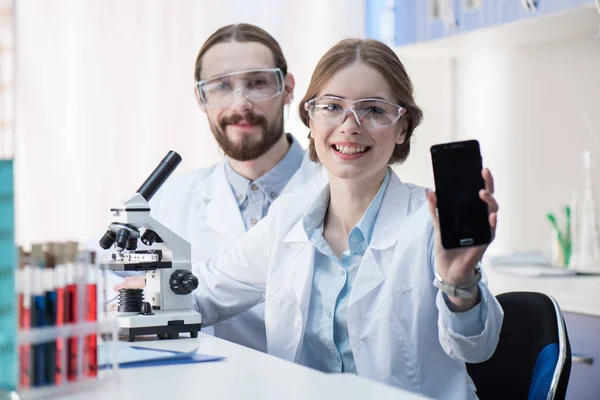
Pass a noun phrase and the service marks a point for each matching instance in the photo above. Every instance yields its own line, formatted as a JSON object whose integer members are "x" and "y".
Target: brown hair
{"x": 386, "y": 62}
{"x": 242, "y": 33}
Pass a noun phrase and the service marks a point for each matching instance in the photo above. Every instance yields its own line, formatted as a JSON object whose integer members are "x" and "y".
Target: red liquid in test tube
{"x": 24, "y": 297}
{"x": 91, "y": 314}
{"x": 71, "y": 318}
{"x": 60, "y": 277}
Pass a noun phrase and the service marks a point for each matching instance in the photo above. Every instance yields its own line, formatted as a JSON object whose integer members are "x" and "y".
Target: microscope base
{"x": 164, "y": 324}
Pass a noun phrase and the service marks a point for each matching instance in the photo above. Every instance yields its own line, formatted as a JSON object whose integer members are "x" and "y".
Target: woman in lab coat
{"x": 349, "y": 277}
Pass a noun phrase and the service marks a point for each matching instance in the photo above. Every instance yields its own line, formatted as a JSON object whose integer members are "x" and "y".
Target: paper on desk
{"x": 130, "y": 356}
{"x": 526, "y": 258}
{"x": 534, "y": 271}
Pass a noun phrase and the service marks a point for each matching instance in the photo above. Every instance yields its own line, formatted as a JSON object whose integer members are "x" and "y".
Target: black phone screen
{"x": 463, "y": 215}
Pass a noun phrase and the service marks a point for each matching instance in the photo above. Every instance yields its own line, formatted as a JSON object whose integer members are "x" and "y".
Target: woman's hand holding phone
{"x": 457, "y": 266}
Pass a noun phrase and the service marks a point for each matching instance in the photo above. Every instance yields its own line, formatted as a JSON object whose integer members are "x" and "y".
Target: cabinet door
{"x": 539, "y": 8}
{"x": 374, "y": 13}
{"x": 511, "y": 10}
{"x": 476, "y": 14}
{"x": 583, "y": 3}
{"x": 437, "y": 19}
{"x": 394, "y": 22}
{"x": 583, "y": 331}
{"x": 406, "y": 22}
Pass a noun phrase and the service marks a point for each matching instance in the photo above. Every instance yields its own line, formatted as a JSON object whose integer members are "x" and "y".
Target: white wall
{"x": 105, "y": 89}
{"x": 521, "y": 90}
{"x": 432, "y": 79}
{"x": 525, "y": 106}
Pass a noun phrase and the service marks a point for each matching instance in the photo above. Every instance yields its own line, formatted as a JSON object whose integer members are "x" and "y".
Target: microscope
{"x": 166, "y": 259}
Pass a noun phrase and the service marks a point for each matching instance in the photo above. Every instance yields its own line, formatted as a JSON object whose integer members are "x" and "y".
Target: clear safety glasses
{"x": 256, "y": 85}
{"x": 369, "y": 113}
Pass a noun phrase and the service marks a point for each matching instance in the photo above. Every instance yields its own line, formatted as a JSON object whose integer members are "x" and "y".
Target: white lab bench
{"x": 579, "y": 299}
{"x": 244, "y": 374}
{"x": 247, "y": 373}
{"x": 578, "y": 294}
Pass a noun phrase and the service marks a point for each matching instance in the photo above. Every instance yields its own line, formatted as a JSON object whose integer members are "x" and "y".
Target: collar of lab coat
{"x": 377, "y": 258}
{"x": 222, "y": 210}
{"x": 393, "y": 212}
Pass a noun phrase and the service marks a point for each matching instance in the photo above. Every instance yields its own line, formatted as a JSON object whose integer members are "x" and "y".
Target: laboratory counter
{"x": 578, "y": 294}
{"x": 247, "y": 373}
{"x": 244, "y": 374}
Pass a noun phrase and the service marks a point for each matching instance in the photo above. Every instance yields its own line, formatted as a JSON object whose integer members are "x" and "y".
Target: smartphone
{"x": 464, "y": 217}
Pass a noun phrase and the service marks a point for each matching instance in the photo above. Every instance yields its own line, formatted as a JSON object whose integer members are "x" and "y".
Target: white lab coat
{"x": 200, "y": 207}
{"x": 397, "y": 333}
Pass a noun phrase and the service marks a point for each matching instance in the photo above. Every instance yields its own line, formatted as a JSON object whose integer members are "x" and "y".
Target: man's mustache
{"x": 249, "y": 117}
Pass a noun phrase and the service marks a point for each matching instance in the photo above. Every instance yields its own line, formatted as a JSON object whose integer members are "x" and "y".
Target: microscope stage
{"x": 165, "y": 324}
{"x": 137, "y": 266}
{"x": 159, "y": 318}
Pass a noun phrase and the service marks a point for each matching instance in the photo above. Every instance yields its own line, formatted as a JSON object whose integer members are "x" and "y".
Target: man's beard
{"x": 248, "y": 148}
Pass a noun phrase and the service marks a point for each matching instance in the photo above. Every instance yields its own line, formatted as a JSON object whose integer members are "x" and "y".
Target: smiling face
{"x": 245, "y": 129}
{"x": 349, "y": 151}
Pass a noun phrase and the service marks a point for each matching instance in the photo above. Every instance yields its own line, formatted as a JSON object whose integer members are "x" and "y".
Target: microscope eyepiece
{"x": 107, "y": 239}
{"x": 160, "y": 174}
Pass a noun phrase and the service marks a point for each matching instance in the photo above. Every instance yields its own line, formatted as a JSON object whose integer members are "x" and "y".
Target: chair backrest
{"x": 533, "y": 357}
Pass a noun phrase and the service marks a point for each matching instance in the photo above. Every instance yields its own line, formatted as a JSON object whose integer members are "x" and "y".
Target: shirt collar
{"x": 273, "y": 182}
{"x": 315, "y": 214}
{"x": 239, "y": 184}
{"x": 367, "y": 222}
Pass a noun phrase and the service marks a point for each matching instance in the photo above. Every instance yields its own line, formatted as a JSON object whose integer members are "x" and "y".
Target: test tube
{"x": 24, "y": 324}
{"x": 38, "y": 320}
{"x": 50, "y": 288}
{"x": 71, "y": 314}
{"x": 91, "y": 314}
{"x": 61, "y": 314}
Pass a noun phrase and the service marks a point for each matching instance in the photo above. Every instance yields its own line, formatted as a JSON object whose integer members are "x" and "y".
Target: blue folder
{"x": 129, "y": 356}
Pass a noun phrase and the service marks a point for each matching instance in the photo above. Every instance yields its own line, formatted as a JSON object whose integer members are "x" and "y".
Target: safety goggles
{"x": 369, "y": 113}
{"x": 256, "y": 85}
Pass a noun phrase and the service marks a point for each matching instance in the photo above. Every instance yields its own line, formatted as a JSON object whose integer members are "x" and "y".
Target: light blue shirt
{"x": 326, "y": 336}
{"x": 255, "y": 197}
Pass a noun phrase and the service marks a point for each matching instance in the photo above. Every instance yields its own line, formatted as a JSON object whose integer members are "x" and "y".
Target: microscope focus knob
{"x": 183, "y": 282}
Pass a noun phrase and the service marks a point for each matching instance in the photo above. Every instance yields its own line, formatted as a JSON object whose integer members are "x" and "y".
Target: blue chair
{"x": 533, "y": 357}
